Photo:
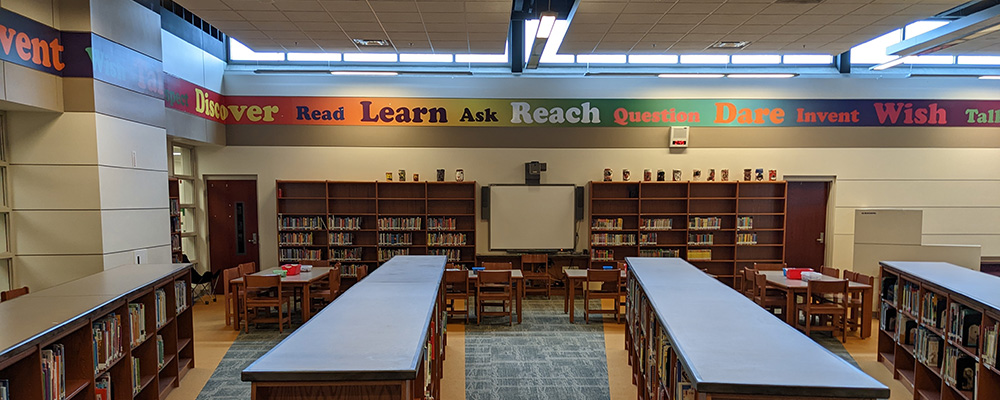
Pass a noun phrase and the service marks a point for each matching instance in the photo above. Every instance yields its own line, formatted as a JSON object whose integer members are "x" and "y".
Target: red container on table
{"x": 796, "y": 273}
{"x": 292, "y": 269}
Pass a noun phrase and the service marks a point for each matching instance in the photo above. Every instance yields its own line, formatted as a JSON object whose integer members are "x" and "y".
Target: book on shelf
{"x": 659, "y": 253}
{"x": 4, "y": 389}
{"x": 386, "y": 254}
{"x": 744, "y": 223}
{"x": 965, "y": 323}
{"x": 107, "y": 341}
{"x": 701, "y": 239}
{"x": 889, "y": 288}
{"x": 345, "y": 223}
{"x": 137, "y": 322}
{"x": 929, "y": 347}
{"x": 909, "y": 298}
{"x": 648, "y": 239}
{"x": 136, "y": 376}
{"x": 399, "y": 223}
{"x": 746, "y": 239}
{"x": 341, "y": 239}
{"x": 933, "y": 310}
{"x": 887, "y": 319}
{"x": 180, "y": 295}
{"x": 442, "y": 224}
{"x": 161, "y": 307}
{"x": 453, "y": 254}
{"x": 612, "y": 239}
{"x": 699, "y": 254}
{"x": 175, "y": 207}
{"x": 351, "y": 254}
{"x": 295, "y": 238}
{"x": 657, "y": 224}
{"x": 159, "y": 351}
{"x": 990, "y": 344}
{"x": 664, "y": 359}
{"x": 615, "y": 224}
{"x": 294, "y": 255}
{"x": 54, "y": 372}
{"x": 602, "y": 255}
{"x": 446, "y": 239}
{"x": 906, "y": 330}
{"x": 102, "y": 387}
{"x": 705, "y": 223}
{"x": 300, "y": 223}
{"x": 395, "y": 239}
{"x": 685, "y": 390}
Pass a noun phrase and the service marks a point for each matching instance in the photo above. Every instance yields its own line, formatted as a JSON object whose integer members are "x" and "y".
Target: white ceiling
{"x": 600, "y": 27}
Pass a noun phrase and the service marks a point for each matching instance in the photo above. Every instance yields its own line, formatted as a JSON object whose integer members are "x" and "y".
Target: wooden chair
{"x": 832, "y": 315}
{"x": 494, "y": 289}
{"x": 263, "y": 292}
{"x": 748, "y": 282}
{"x": 232, "y": 311}
{"x": 769, "y": 299}
{"x": 324, "y": 293}
{"x": 850, "y": 275}
{"x": 457, "y": 287}
{"x": 535, "y": 269}
{"x": 494, "y": 266}
{"x": 856, "y": 301}
{"x": 829, "y": 271}
{"x": 247, "y": 268}
{"x": 602, "y": 284}
{"x": 769, "y": 266}
{"x": 13, "y": 293}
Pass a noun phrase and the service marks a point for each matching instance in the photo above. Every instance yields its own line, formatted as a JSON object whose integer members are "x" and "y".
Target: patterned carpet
{"x": 225, "y": 383}
{"x": 545, "y": 357}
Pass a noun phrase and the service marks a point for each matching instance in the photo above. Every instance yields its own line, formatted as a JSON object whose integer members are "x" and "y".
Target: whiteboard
{"x": 532, "y": 217}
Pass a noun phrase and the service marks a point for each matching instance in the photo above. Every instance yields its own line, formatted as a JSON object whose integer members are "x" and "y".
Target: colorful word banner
{"x": 92, "y": 55}
{"x": 26, "y": 42}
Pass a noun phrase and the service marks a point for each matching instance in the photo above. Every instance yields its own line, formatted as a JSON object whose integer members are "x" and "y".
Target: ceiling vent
{"x": 371, "y": 42}
{"x": 729, "y": 45}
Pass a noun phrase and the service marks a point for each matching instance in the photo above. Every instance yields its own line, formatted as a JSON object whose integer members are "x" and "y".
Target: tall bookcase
{"x": 938, "y": 330}
{"x": 174, "y": 196}
{"x": 718, "y": 226}
{"x": 366, "y": 223}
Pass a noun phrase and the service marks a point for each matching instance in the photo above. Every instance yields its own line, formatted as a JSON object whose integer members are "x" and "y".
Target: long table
{"x": 731, "y": 348}
{"x": 369, "y": 343}
{"x": 302, "y": 280}
{"x": 795, "y": 287}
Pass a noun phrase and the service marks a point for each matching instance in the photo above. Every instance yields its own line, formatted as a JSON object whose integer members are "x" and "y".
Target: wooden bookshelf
{"x": 366, "y": 223}
{"x": 718, "y": 226}
{"x": 677, "y": 353}
{"x": 174, "y": 199}
{"x": 934, "y": 325}
{"x": 69, "y": 315}
{"x": 369, "y": 361}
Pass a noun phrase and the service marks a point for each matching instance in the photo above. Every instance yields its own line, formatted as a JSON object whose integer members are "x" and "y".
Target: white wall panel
{"x": 57, "y": 232}
{"x": 182, "y": 59}
{"x": 132, "y": 188}
{"x": 962, "y": 220}
{"x": 41, "y": 187}
{"x": 41, "y": 272}
{"x": 910, "y": 194}
{"x": 154, "y": 255}
{"x": 48, "y": 138}
{"x": 214, "y": 71}
{"x": 134, "y": 229}
{"x": 989, "y": 243}
{"x": 118, "y": 139}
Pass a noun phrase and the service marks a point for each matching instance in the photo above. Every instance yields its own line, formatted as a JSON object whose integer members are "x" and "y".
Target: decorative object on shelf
{"x": 626, "y": 175}
{"x": 416, "y": 177}
{"x": 725, "y": 175}
{"x": 459, "y": 175}
{"x": 747, "y": 174}
{"x": 440, "y": 175}
{"x": 677, "y": 175}
{"x": 402, "y": 175}
{"x": 696, "y": 175}
{"x": 607, "y": 174}
{"x": 660, "y": 175}
{"x": 647, "y": 175}
{"x": 760, "y": 174}
{"x": 772, "y": 175}
{"x": 388, "y": 176}
{"x": 711, "y": 174}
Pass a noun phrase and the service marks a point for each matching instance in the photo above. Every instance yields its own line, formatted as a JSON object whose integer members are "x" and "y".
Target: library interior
{"x": 496, "y": 199}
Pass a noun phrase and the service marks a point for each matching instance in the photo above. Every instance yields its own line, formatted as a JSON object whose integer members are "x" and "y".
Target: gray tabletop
{"x": 730, "y": 345}
{"x": 973, "y": 285}
{"x": 374, "y": 331}
{"x": 42, "y": 315}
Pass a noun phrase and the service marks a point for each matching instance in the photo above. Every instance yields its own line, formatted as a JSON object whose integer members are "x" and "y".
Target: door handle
{"x": 253, "y": 238}
{"x": 820, "y": 240}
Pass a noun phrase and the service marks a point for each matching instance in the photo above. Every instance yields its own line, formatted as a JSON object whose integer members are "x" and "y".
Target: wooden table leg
{"x": 866, "y": 313}
{"x": 571, "y": 289}
{"x": 520, "y": 289}
{"x": 306, "y": 304}
{"x": 790, "y": 307}
{"x": 566, "y": 295}
{"x": 234, "y": 296}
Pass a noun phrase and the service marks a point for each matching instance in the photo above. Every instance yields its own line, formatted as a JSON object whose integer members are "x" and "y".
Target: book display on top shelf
{"x": 723, "y": 226}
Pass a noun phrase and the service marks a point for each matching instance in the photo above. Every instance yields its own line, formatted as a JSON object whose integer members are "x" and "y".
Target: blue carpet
{"x": 225, "y": 383}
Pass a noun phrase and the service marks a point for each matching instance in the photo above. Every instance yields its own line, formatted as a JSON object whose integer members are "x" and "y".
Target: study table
{"x": 576, "y": 277}
{"x": 518, "y": 280}
{"x": 795, "y": 287}
{"x": 303, "y": 280}
{"x": 728, "y": 346}
{"x": 369, "y": 343}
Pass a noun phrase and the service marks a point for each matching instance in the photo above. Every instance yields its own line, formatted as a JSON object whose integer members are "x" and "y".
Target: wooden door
{"x": 232, "y": 224}
{"x": 805, "y": 223}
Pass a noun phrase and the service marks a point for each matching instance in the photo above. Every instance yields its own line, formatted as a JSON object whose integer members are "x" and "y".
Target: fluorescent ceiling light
{"x": 979, "y": 60}
{"x": 370, "y": 57}
{"x": 756, "y": 59}
{"x": 938, "y": 60}
{"x": 364, "y": 73}
{"x": 690, "y": 75}
{"x": 873, "y": 51}
{"x": 990, "y": 77}
{"x": 601, "y": 59}
{"x": 240, "y": 52}
{"x": 313, "y": 56}
{"x": 890, "y": 64}
{"x": 436, "y": 58}
{"x": 704, "y": 59}
{"x": 921, "y": 27}
{"x": 652, "y": 59}
{"x": 742, "y": 76}
{"x": 808, "y": 59}
{"x": 549, "y": 52}
{"x": 481, "y": 58}
{"x": 548, "y": 20}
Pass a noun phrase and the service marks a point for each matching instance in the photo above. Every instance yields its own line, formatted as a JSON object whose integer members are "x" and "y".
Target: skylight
{"x": 240, "y": 52}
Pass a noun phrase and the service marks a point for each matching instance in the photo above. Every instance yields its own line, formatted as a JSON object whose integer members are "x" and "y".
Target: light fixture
{"x": 729, "y": 45}
{"x": 765, "y": 76}
{"x": 887, "y": 65}
{"x": 371, "y": 42}
{"x": 990, "y": 77}
{"x": 177, "y": 154}
{"x": 364, "y": 73}
{"x": 545, "y": 24}
{"x": 691, "y": 75}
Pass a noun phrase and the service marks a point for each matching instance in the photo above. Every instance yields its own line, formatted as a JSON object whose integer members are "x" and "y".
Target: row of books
{"x": 607, "y": 223}
{"x": 160, "y": 358}
{"x": 136, "y": 377}
{"x": 453, "y": 254}
{"x": 659, "y": 253}
{"x": 446, "y": 239}
{"x": 906, "y": 330}
{"x": 699, "y": 254}
{"x": 349, "y": 269}
{"x": 300, "y": 223}
{"x": 705, "y": 223}
{"x": 399, "y": 223}
{"x": 107, "y": 341}
{"x": 612, "y": 239}
{"x": 889, "y": 288}
{"x": 657, "y": 224}
{"x": 295, "y": 238}
{"x": 929, "y": 347}
{"x": 602, "y": 255}
{"x": 54, "y": 372}
{"x": 887, "y": 318}
{"x": 909, "y": 297}
{"x": 989, "y": 355}
{"x": 395, "y": 239}
{"x": 342, "y": 239}
{"x": 160, "y": 299}
{"x": 180, "y": 295}
{"x": 175, "y": 224}
{"x": 965, "y": 323}
{"x": 442, "y": 224}
{"x": 932, "y": 313}
{"x": 352, "y": 254}
{"x": 959, "y": 369}
{"x": 175, "y": 207}
{"x": 744, "y": 223}
{"x": 102, "y": 387}
{"x": 137, "y": 322}
{"x": 746, "y": 239}
{"x": 300, "y": 254}
{"x": 648, "y": 239}
{"x": 697, "y": 239}
{"x": 175, "y": 242}
{"x": 345, "y": 223}
{"x": 386, "y": 254}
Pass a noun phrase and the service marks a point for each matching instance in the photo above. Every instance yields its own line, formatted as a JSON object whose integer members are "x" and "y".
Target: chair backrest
{"x": 769, "y": 266}
{"x": 819, "y": 288}
{"x": 534, "y": 259}
{"x": 456, "y": 280}
{"x": 862, "y": 278}
{"x": 497, "y": 265}
{"x": 316, "y": 263}
{"x": 14, "y": 293}
{"x": 748, "y": 280}
{"x": 228, "y": 275}
{"x": 622, "y": 265}
{"x": 829, "y": 271}
{"x": 262, "y": 282}
{"x": 850, "y": 275}
{"x": 494, "y": 277}
{"x": 759, "y": 285}
{"x": 334, "y": 278}
{"x": 361, "y": 272}
{"x": 247, "y": 268}
{"x": 610, "y": 276}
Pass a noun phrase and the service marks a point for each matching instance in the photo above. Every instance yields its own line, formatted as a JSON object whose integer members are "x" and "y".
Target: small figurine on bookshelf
{"x": 459, "y": 175}
{"x": 696, "y": 175}
{"x": 760, "y": 174}
{"x": 626, "y": 175}
{"x": 747, "y": 174}
{"x": 388, "y": 176}
{"x": 416, "y": 177}
{"x": 647, "y": 175}
{"x": 711, "y": 174}
{"x": 440, "y": 175}
{"x": 402, "y": 175}
{"x": 660, "y": 175}
{"x": 677, "y": 175}
{"x": 607, "y": 174}
{"x": 725, "y": 175}
{"x": 772, "y": 175}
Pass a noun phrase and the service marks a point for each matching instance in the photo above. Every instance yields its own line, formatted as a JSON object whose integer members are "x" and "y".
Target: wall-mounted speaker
{"x": 679, "y": 136}
{"x": 484, "y": 203}
{"x": 579, "y": 197}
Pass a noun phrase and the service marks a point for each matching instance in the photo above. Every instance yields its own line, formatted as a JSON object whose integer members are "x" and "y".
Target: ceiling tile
{"x": 447, "y": 7}
{"x": 456, "y": 27}
{"x": 394, "y": 6}
{"x": 344, "y": 6}
{"x": 705, "y": 28}
{"x": 631, "y": 28}
{"x": 796, "y": 29}
{"x": 303, "y": 5}
{"x": 488, "y": 6}
{"x": 741, "y": 8}
{"x": 199, "y": 5}
{"x": 604, "y": 7}
{"x": 755, "y": 29}
{"x": 220, "y": 15}
{"x": 249, "y": 5}
{"x": 787, "y": 9}
{"x": 305, "y": 16}
{"x": 263, "y": 15}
